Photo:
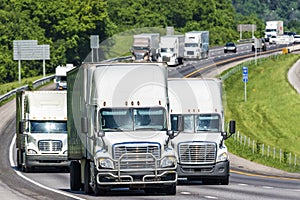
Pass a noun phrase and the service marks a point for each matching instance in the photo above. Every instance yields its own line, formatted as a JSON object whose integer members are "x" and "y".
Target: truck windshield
{"x": 133, "y": 119}
{"x": 198, "y": 123}
{"x": 191, "y": 45}
{"x": 136, "y": 48}
{"x": 61, "y": 78}
{"x": 167, "y": 50}
{"x": 48, "y": 126}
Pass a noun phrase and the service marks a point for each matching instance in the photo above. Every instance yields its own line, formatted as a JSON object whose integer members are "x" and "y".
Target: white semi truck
{"x": 273, "y": 28}
{"x": 171, "y": 49}
{"x": 196, "y": 45}
{"x": 202, "y": 154}
{"x": 61, "y": 76}
{"x": 118, "y": 122}
{"x": 41, "y": 129}
{"x": 145, "y": 47}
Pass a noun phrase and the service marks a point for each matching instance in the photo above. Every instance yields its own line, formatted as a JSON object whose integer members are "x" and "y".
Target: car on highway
{"x": 230, "y": 46}
{"x": 273, "y": 39}
{"x": 296, "y": 39}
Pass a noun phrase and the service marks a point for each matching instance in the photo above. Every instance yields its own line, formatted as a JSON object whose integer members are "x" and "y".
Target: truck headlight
{"x": 106, "y": 163}
{"x": 223, "y": 156}
{"x": 168, "y": 161}
{"x": 31, "y": 151}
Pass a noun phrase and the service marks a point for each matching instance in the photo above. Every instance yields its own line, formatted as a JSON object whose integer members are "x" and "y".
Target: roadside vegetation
{"x": 271, "y": 113}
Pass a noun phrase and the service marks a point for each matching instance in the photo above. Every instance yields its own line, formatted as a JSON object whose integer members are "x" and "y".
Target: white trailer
{"x": 273, "y": 28}
{"x": 61, "y": 76}
{"x": 196, "y": 45}
{"x": 145, "y": 47}
{"x": 41, "y": 129}
{"x": 202, "y": 154}
{"x": 118, "y": 128}
{"x": 171, "y": 49}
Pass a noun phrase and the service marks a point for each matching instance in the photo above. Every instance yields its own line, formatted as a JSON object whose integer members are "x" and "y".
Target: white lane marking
{"x": 210, "y": 197}
{"x": 243, "y": 184}
{"x": 268, "y": 187}
{"x": 13, "y": 164}
{"x": 185, "y": 193}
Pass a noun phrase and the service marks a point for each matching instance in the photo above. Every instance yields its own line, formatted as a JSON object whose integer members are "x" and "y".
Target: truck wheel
{"x": 224, "y": 181}
{"x": 75, "y": 176}
{"x": 100, "y": 192}
{"x": 170, "y": 190}
{"x": 19, "y": 160}
{"x": 87, "y": 178}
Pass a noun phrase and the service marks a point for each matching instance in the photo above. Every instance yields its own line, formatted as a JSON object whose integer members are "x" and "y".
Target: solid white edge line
{"x": 13, "y": 164}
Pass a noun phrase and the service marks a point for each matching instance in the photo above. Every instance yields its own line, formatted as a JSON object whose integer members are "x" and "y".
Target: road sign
{"x": 245, "y": 74}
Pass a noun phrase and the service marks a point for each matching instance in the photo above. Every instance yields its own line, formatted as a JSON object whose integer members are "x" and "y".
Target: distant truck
{"x": 61, "y": 76}
{"x": 171, "y": 49}
{"x": 196, "y": 45}
{"x": 273, "y": 28}
{"x": 145, "y": 47}
{"x": 202, "y": 154}
{"x": 41, "y": 129}
{"x": 118, "y": 125}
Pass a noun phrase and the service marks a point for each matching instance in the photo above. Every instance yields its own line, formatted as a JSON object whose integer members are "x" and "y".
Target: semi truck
{"x": 118, "y": 128}
{"x": 60, "y": 79}
{"x": 273, "y": 28}
{"x": 145, "y": 47}
{"x": 201, "y": 151}
{"x": 171, "y": 49}
{"x": 196, "y": 45}
{"x": 41, "y": 129}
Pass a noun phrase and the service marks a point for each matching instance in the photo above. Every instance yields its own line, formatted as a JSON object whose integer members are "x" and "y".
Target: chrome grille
{"x": 190, "y": 52}
{"x": 137, "y": 155}
{"x": 197, "y": 153}
{"x": 50, "y": 145}
{"x": 166, "y": 59}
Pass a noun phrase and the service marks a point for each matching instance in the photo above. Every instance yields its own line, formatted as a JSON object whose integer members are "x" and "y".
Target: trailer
{"x": 118, "y": 128}
{"x": 145, "y": 47}
{"x": 171, "y": 49}
{"x": 61, "y": 76}
{"x": 41, "y": 129}
{"x": 201, "y": 151}
{"x": 196, "y": 45}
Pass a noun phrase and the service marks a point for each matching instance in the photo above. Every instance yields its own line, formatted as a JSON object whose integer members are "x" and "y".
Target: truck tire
{"x": 224, "y": 181}
{"x": 75, "y": 176}
{"x": 87, "y": 178}
{"x": 19, "y": 159}
{"x": 170, "y": 190}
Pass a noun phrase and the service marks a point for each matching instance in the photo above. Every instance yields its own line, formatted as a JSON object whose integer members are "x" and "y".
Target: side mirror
{"x": 232, "y": 127}
{"x": 101, "y": 133}
{"x": 171, "y": 134}
{"x": 84, "y": 125}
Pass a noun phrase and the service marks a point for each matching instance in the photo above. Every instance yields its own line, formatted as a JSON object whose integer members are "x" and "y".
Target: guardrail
{"x": 35, "y": 84}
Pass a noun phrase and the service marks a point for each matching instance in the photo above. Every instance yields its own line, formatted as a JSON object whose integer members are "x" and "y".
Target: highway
{"x": 47, "y": 184}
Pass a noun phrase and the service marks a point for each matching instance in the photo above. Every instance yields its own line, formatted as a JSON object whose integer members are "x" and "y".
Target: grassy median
{"x": 271, "y": 112}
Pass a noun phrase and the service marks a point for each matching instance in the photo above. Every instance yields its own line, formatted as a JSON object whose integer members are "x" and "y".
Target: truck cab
{"x": 41, "y": 129}
{"x": 201, "y": 151}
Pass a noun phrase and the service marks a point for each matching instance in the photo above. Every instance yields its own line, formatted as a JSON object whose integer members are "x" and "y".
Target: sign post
{"x": 245, "y": 80}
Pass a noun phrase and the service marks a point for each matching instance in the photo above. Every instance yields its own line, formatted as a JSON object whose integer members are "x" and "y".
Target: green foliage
{"x": 67, "y": 25}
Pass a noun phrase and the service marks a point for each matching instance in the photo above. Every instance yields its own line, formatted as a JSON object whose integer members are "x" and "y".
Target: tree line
{"x": 66, "y": 25}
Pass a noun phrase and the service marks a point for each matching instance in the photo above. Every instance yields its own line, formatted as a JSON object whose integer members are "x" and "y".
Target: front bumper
{"x": 217, "y": 170}
{"x": 47, "y": 161}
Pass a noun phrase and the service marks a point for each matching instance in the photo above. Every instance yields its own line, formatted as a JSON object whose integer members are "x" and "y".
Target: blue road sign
{"x": 245, "y": 70}
{"x": 245, "y": 74}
